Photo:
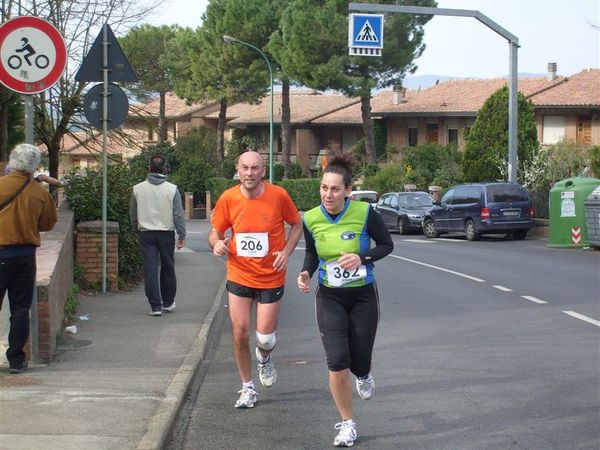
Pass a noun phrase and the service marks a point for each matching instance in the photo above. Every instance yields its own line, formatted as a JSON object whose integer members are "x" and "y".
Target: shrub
{"x": 390, "y": 178}
{"x": 192, "y": 176}
{"x": 486, "y": 150}
{"x": 217, "y": 186}
{"x": 84, "y": 194}
{"x": 138, "y": 165}
{"x": 303, "y": 191}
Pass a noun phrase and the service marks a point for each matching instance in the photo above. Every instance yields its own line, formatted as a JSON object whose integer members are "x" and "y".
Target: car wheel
{"x": 402, "y": 225}
{"x": 429, "y": 229}
{"x": 519, "y": 235}
{"x": 470, "y": 231}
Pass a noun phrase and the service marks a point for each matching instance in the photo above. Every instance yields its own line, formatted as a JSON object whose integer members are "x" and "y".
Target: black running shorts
{"x": 260, "y": 295}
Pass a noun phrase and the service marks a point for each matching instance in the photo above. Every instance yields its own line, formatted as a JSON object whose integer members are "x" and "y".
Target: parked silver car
{"x": 404, "y": 211}
{"x": 365, "y": 196}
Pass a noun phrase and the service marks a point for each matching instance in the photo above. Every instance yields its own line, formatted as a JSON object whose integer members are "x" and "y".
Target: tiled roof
{"x": 581, "y": 89}
{"x": 85, "y": 144}
{"x": 455, "y": 96}
{"x": 304, "y": 105}
{"x": 174, "y": 107}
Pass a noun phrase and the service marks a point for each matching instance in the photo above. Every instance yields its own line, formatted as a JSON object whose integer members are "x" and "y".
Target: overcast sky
{"x": 566, "y": 32}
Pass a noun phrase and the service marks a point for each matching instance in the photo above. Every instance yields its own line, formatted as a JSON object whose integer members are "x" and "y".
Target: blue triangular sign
{"x": 118, "y": 65}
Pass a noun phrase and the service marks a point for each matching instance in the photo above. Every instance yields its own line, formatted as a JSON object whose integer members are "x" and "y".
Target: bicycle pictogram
{"x": 15, "y": 61}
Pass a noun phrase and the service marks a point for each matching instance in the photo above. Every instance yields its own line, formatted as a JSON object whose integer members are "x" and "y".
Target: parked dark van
{"x": 481, "y": 208}
{"x": 403, "y": 211}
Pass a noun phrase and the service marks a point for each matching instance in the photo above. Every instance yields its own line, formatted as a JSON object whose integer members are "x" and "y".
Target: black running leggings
{"x": 347, "y": 320}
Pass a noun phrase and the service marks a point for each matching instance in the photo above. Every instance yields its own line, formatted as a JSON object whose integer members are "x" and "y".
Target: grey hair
{"x": 25, "y": 157}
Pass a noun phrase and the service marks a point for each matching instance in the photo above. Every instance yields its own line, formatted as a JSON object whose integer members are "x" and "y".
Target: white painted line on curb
{"x": 533, "y": 299}
{"x": 469, "y": 277}
{"x": 502, "y": 288}
{"x": 582, "y": 317}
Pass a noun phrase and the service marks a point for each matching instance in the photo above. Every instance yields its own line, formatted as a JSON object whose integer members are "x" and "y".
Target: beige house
{"x": 307, "y": 137}
{"x": 566, "y": 109}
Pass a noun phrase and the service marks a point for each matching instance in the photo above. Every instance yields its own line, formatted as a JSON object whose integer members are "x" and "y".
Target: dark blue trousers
{"x": 158, "y": 246}
{"x": 17, "y": 277}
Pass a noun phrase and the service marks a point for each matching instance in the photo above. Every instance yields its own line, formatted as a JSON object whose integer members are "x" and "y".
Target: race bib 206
{"x": 252, "y": 245}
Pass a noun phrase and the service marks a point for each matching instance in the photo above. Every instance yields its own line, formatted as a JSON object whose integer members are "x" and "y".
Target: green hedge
{"x": 84, "y": 192}
{"x": 217, "y": 186}
{"x": 303, "y": 191}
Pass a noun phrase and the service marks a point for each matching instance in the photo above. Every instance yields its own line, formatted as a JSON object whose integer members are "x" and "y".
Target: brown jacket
{"x": 31, "y": 212}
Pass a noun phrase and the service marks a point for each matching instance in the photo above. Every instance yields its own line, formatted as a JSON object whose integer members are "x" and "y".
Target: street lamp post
{"x": 232, "y": 40}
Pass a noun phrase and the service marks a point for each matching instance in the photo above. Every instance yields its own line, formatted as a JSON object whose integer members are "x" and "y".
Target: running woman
{"x": 257, "y": 257}
{"x": 338, "y": 236}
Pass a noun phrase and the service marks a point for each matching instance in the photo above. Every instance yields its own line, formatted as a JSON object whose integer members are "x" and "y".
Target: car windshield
{"x": 369, "y": 197}
{"x": 418, "y": 200}
{"x": 506, "y": 193}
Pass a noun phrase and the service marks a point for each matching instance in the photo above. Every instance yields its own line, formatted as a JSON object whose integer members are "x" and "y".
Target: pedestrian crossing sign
{"x": 365, "y": 34}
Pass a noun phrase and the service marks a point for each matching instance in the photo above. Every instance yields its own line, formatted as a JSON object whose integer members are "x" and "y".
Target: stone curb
{"x": 163, "y": 419}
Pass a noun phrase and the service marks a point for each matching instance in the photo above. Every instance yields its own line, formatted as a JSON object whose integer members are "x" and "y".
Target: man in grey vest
{"x": 156, "y": 212}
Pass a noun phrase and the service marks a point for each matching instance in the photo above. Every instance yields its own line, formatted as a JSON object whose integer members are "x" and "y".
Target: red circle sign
{"x": 33, "y": 54}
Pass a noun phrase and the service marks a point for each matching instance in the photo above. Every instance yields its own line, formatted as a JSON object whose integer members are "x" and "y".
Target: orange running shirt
{"x": 265, "y": 214}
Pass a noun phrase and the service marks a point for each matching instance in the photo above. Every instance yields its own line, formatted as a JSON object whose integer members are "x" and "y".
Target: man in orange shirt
{"x": 257, "y": 255}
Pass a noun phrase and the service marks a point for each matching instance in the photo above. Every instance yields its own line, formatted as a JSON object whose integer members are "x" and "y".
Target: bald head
{"x": 250, "y": 159}
{"x": 251, "y": 170}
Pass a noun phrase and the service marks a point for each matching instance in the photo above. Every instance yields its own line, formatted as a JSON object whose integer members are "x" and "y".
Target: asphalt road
{"x": 482, "y": 345}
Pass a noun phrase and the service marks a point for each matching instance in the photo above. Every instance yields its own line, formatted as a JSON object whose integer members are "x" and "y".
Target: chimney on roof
{"x": 551, "y": 71}
{"x": 398, "y": 94}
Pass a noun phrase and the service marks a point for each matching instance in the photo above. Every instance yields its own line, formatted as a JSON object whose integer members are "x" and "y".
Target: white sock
{"x": 248, "y": 384}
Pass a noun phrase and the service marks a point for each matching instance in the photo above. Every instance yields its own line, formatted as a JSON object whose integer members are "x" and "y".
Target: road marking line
{"x": 449, "y": 240}
{"x": 502, "y": 288}
{"x": 582, "y": 317}
{"x": 479, "y": 280}
{"x": 533, "y": 299}
{"x": 418, "y": 241}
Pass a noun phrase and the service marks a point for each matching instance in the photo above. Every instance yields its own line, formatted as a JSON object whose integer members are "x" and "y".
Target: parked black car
{"x": 481, "y": 208}
{"x": 403, "y": 211}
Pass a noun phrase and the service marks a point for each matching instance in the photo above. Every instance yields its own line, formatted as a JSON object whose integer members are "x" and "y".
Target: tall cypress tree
{"x": 486, "y": 149}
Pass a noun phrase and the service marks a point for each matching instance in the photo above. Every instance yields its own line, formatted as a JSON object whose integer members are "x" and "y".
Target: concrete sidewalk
{"x": 119, "y": 381}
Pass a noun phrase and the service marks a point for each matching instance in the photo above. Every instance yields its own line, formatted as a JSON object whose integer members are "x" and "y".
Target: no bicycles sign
{"x": 33, "y": 55}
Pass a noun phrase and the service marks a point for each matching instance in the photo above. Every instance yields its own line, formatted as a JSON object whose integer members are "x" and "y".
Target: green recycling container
{"x": 568, "y": 226}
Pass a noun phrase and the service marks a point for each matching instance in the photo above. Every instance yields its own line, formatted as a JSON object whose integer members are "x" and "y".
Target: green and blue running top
{"x": 346, "y": 233}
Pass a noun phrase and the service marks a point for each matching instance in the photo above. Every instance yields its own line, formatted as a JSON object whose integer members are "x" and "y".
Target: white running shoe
{"x": 347, "y": 434}
{"x": 171, "y": 308}
{"x": 365, "y": 387}
{"x": 248, "y": 397}
{"x": 266, "y": 371}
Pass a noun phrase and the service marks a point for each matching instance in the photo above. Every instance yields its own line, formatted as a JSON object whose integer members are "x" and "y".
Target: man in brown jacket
{"x": 26, "y": 208}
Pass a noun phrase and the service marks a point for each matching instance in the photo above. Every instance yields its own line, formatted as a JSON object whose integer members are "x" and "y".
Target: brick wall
{"x": 54, "y": 281}
{"x": 89, "y": 252}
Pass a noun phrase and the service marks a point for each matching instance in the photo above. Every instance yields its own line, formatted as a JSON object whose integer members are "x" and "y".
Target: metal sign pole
{"x": 105, "y": 70}
{"x": 33, "y": 323}
{"x": 513, "y": 81}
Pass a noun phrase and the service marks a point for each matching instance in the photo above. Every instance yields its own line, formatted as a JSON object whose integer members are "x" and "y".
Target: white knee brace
{"x": 265, "y": 341}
